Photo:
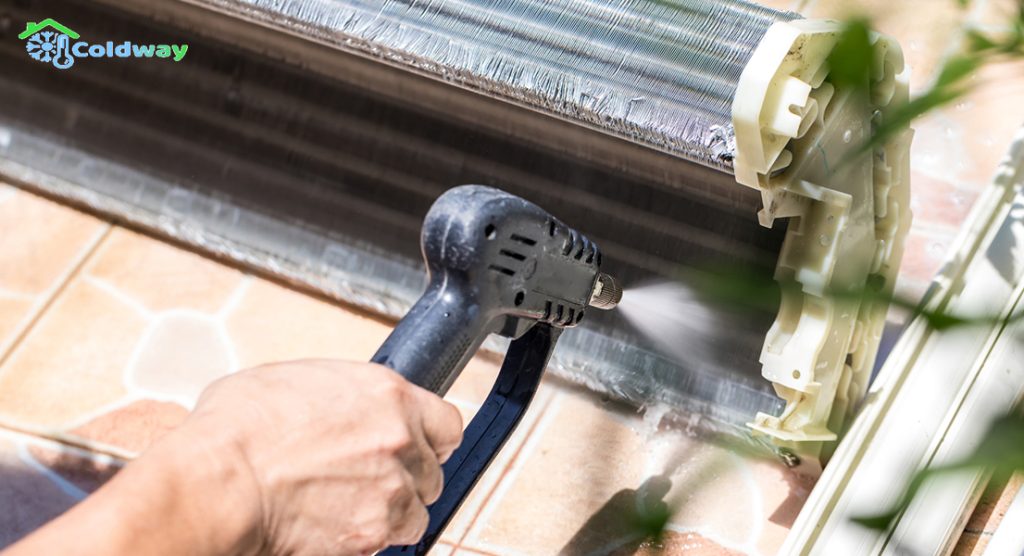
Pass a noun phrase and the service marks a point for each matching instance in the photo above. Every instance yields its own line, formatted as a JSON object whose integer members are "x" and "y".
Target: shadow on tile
{"x": 39, "y": 481}
{"x": 628, "y": 519}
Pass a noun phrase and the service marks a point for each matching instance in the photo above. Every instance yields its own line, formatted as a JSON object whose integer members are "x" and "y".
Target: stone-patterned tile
{"x": 16, "y": 312}
{"x": 41, "y": 242}
{"x": 273, "y": 323}
{"x": 483, "y": 492}
{"x": 674, "y": 544}
{"x": 133, "y": 427}
{"x": 784, "y": 492}
{"x": 72, "y": 362}
{"x": 463, "y": 551}
{"x": 179, "y": 355}
{"x": 160, "y": 276}
{"x": 39, "y": 480}
{"x": 580, "y": 478}
{"x": 38, "y": 240}
{"x": 147, "y": 322}
{"x": 476, "y": 380}
{"x": 442, "y": 549}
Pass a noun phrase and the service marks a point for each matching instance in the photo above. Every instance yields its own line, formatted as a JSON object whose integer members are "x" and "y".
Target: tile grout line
{"x": 504, "y": 472}
{"x": 55, "y": 294}
{"x": 68, "y": 442}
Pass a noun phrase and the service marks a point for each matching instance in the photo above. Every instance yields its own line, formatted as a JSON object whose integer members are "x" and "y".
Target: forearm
{"x": 281, "y": 459}
{"x": 178, "y": 498}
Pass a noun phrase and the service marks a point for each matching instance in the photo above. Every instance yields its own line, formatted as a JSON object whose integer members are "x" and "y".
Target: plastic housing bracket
{"x": 799, "y": 143}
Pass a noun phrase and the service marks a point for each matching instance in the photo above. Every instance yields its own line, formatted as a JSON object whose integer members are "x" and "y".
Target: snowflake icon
{"x": 42, "y": 46}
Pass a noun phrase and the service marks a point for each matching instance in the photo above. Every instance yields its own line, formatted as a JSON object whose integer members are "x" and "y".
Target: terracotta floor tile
{"x": 16, "y": 312}
{"x": 674, "y": 544}
{"x": 72, "y": 362}
{"x": 160, "y": 276}
{"x": 589, "y": 464}
{"x": 462, "y": 551}
{"x": 784, "y": 492}
{"x": 179, "y": 355}
{"x": 273, "y": 323}
{"x": 482, "y": 493}
{"x": 133, "y": 427}
{"x": 40, "y": 243}
{"x": 476, "y": 380}
{"x": 442, "y": 549}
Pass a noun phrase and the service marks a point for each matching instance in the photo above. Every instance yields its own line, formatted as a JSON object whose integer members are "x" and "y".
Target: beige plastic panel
{"x": 796, "y": 138}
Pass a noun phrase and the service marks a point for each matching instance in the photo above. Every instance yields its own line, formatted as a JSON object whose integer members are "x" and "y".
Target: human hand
{"x": 338, "y": 458}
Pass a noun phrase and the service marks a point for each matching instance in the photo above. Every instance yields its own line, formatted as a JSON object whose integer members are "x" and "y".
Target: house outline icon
{"x": 32, "y": 28}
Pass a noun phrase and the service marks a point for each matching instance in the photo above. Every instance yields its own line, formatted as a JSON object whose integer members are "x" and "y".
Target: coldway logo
{"x": 50, "y": 42}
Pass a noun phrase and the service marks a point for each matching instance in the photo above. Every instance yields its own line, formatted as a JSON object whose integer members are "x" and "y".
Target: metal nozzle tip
{"x": 607, "y": 293}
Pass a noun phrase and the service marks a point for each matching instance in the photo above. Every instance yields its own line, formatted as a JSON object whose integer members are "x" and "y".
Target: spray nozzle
{"x": 607, "y": 292}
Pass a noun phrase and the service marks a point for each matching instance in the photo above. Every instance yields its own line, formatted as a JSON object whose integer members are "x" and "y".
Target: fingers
{"x": 442, "y": 423}
{"x": 422, "y": 463}
{"x": 409, "y": 520}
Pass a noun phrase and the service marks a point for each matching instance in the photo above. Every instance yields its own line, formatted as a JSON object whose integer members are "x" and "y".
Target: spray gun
{"x": 497, "y": 264}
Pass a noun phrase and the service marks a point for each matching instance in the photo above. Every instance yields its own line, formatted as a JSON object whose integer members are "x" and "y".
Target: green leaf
{"x": 943, "y": 321}
{"x": 851, "y": 60}
{"x": 651, "y": 523}
{"x": 1001, "y": 452}
{"x": 901, "y": 116}
{"x": 879, "y": 522}
{"x": 956, "y": 69}
{"x": 979, "y": 42}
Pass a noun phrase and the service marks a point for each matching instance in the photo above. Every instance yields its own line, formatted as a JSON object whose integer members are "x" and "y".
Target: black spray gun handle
{"x": 436, "y": 338}
{"x": 496, "y": 264}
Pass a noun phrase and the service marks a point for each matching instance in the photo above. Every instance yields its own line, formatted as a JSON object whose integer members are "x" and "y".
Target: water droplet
{"x": 847, "y": 136}
{"x": 823, "y": 240}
